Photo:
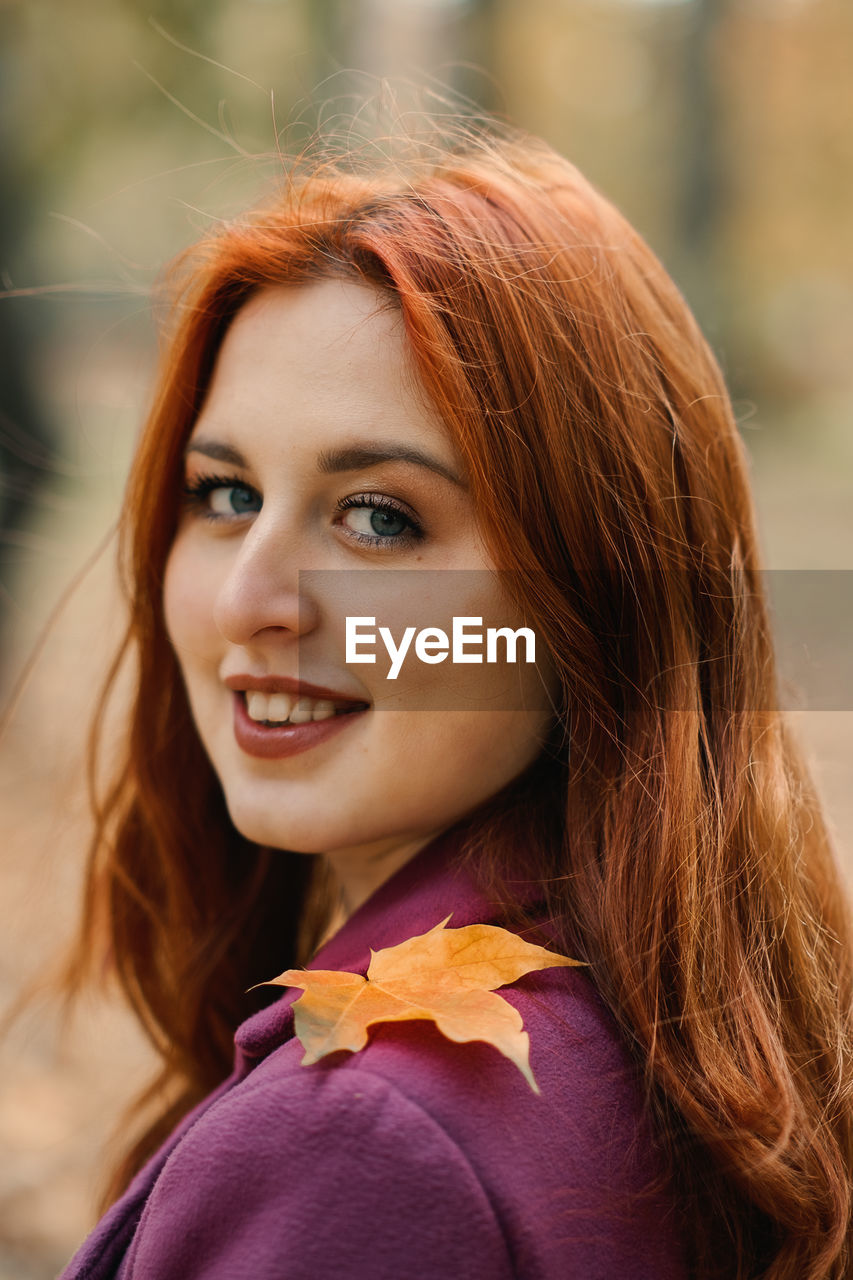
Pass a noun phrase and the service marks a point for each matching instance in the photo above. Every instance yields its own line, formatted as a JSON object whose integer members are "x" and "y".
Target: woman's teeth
{"x": 283, "y": 708}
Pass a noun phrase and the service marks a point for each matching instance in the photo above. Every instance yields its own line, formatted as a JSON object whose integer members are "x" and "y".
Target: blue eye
{"x": 374, "y": 520}
{"x": 222, "y": 497}
{"x": 233, "y": 499}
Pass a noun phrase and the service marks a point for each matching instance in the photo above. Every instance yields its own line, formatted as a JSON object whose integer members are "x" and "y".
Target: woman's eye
{"x": 233, "y": 500}
{"x": 220, "y": 497}
{"x": 374, "y": 520}
{"x": 371, "y": 519}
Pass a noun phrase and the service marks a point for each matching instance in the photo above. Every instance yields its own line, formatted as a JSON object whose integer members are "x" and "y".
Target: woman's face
{"x": 316, "y": 457}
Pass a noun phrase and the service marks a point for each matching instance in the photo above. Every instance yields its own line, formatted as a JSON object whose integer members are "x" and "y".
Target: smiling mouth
{"x": 274, "y": 710}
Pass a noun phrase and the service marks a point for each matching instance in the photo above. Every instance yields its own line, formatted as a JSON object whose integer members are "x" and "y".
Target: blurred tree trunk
{"x": 703, "y": 183}
{"x": 26, "y": 455}
{"x": 445, "y": 39}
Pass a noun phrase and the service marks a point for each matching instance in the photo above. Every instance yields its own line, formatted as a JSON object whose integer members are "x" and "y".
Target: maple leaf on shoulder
{"x": 446, "y": 976}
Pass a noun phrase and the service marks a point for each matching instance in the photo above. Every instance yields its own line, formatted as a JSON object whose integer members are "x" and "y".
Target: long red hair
{"x": 674, "y": 830}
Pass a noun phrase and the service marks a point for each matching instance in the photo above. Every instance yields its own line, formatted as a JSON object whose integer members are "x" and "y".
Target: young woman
{"x": 467, "y": 374}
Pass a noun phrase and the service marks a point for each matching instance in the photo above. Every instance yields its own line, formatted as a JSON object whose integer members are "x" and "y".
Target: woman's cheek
{"x": 189, "y": 594}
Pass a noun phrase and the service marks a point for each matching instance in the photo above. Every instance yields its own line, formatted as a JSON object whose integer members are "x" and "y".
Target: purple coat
{"x": 416, "y": 1158}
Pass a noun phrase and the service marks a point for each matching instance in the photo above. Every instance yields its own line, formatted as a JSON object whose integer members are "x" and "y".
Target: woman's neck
{"x": 353, "y": 876}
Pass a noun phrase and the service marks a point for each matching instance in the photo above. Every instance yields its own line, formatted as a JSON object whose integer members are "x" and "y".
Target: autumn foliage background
{"x": 721, "y": 127}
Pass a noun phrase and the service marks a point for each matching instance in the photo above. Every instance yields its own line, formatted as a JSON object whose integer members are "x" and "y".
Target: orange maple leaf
{"x": 447, "y": 976}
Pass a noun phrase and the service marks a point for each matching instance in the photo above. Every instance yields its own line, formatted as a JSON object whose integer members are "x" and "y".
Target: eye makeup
{"x": 389, "y": 525}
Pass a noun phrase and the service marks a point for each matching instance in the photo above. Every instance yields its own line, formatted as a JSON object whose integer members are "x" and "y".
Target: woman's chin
{"x": 269, "y": 830}
{"x": 307, "y": 833}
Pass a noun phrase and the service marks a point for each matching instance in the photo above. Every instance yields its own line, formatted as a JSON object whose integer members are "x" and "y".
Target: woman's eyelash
{"x": 379, "y": 502}
{"x": 201, "y": 486}
{"x": 198, "y": 490}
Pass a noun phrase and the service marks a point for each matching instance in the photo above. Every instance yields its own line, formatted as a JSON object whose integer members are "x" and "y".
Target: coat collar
{"x": 430, "y": 886}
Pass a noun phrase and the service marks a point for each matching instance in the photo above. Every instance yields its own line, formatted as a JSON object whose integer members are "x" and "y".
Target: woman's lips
{"x": 275, "y": 742}
{"x": 286, "y": 684}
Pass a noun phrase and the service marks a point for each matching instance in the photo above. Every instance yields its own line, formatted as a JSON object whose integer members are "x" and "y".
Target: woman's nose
{"x": 260, "y": 591}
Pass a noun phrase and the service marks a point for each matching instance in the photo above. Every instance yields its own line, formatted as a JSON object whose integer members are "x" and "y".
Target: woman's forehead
{"x": 319, "y": 362}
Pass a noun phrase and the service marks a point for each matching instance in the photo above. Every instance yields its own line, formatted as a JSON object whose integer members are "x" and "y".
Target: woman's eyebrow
{"x": 330, "y": 461}
{"x": 217, "y": 450}
{"x": 359, "y": 457}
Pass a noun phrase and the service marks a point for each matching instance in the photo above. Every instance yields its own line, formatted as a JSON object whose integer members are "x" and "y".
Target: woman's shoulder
{"x": 577, "y": 1161}
{"x": 417, "y": 1141}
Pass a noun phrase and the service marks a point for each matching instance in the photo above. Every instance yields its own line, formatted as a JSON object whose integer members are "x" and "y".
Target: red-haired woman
{"x": 468, "y": 374}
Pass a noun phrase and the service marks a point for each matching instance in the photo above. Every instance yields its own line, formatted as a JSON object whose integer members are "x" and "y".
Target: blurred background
{"x": 722, "y": 128}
